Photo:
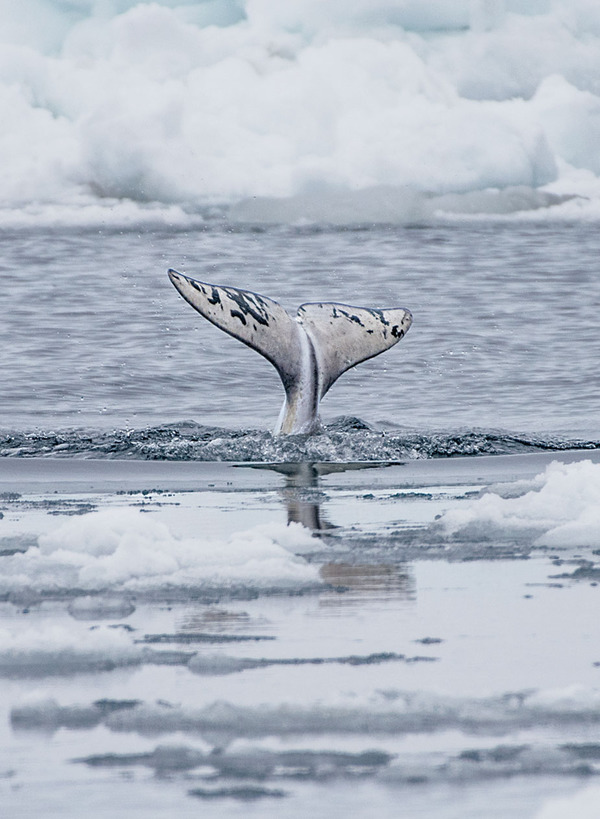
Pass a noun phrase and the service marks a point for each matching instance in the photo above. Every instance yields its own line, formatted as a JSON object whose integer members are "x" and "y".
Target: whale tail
{"x": 309, "y": 352}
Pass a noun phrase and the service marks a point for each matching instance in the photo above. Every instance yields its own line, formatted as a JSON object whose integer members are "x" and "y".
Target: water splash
{"x": 347, "y": 439}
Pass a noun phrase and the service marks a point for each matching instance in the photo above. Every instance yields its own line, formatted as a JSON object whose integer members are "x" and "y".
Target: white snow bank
{"x": 560, "y": 507}
{"x": 189, "y": 103}
{"x": 89, "y": 211}
{"x": 125, "y": 550}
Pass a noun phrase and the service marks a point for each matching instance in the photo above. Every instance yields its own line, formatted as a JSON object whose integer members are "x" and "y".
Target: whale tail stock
{"x": 309, "y": 352}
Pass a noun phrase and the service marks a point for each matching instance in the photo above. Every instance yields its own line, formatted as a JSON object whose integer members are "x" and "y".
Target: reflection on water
{"x": 214, "y": 619}
{"x": 302, "y": 494}
{"x": 352, "y": 583}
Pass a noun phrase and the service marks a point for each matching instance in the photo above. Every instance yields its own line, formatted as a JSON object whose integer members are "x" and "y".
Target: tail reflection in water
{"x": 357, "y": 581}
{"x": 351, "y": 581}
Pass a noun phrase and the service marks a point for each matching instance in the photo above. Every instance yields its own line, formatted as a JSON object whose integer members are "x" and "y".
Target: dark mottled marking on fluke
{"x": 350, "y": 317}
{"x": 396, "y": 331}
{"x": 337, "y": 313}
{"x": 379, "y": 315}
{"x": 195, "y": 285}
{"x": 246, "y": 306}
{"x": 237, "y": 314}
{"x": 216, "y": 299}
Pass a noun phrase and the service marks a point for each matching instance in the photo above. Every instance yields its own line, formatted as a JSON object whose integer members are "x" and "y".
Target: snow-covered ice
{"x": 127, "y": 551}
{"x": 558, "y": 508}
{"x": 139, "y": 112}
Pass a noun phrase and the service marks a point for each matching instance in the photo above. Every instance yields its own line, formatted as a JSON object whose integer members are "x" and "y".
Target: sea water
{"x": 100, "y": 355}
{"x": 307, "y": 636}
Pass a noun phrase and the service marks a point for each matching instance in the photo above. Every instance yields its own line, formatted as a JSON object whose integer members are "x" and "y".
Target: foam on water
{"x": 347, "y": 439}
{"x": 185, "y": 104}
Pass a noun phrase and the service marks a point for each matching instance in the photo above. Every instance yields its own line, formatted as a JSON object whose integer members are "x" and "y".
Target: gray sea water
{"x": 98, "y": 353}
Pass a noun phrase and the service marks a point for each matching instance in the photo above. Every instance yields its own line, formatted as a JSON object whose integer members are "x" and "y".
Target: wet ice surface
{"x": 420, "y": 633}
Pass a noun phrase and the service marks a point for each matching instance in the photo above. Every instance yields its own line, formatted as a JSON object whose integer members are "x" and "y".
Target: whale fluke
{"x": 309, "y": 352}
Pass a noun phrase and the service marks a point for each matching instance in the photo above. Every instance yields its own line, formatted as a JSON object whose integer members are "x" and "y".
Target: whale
{"x": 309, "y": 351}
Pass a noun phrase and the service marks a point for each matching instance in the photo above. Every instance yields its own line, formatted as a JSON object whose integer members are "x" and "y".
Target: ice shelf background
{"x": 371, "y": 110}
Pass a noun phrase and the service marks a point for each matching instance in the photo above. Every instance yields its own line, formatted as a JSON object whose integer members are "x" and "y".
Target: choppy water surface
{"x": 95, "y": 340}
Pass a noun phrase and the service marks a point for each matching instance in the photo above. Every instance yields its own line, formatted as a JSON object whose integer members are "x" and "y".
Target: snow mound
{"x": 558, "y": 508}
{"x": 194, "y": 104}
{"x": 126, "y": 551}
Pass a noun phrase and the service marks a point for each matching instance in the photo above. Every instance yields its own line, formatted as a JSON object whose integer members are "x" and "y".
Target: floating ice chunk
{"x": 483, "y": 763}
{"x": 250, "y": 763}
{"x": 123, "y": 550}
{"x": 583, "y": 531}
{"x": 574, "y": 698}
{"x": 560, "y": 507}
{"x": 396, "y": 712}
{"x": 37, "y": 711}
{"x": 57, "y": 650}
{"x": 100, "y": 608}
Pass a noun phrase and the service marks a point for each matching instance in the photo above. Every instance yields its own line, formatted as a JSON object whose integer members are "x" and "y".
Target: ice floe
{"x": 184, "y": 104}
{"x": 127, "y": 551}
{"x": 389, "y": 713}
{"x": 54, "y": 649}
{"x": 558, "y": 508}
